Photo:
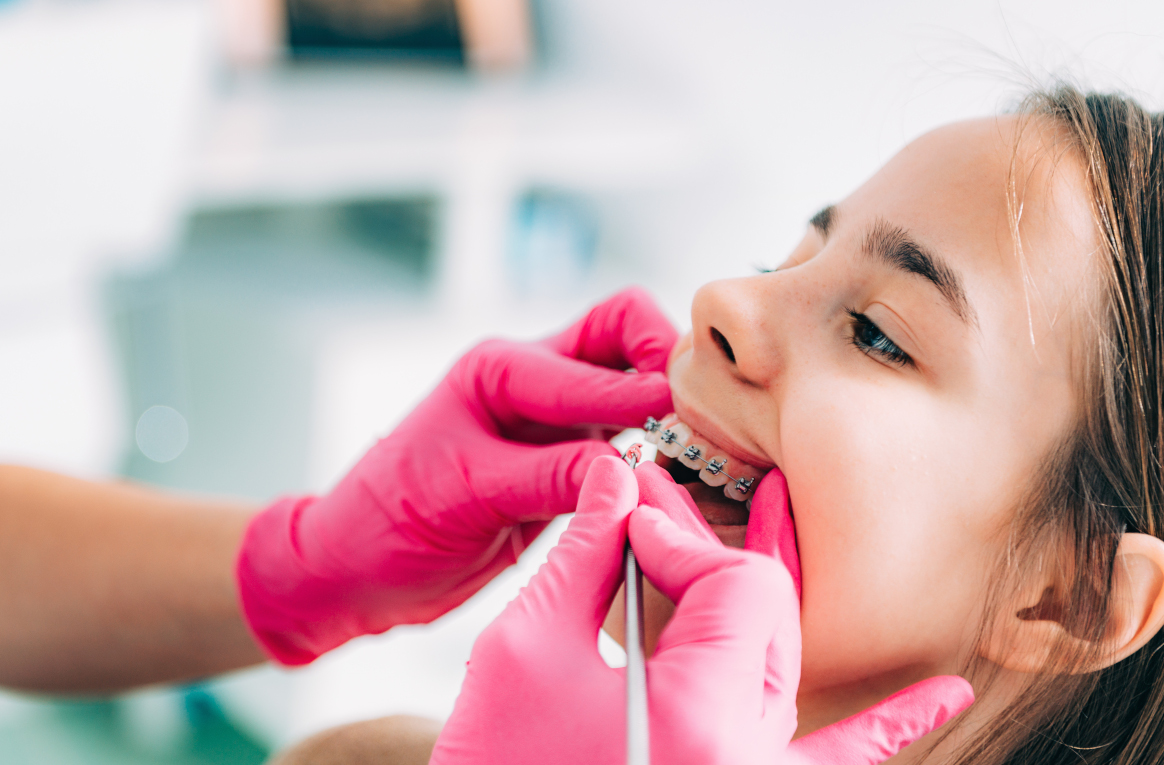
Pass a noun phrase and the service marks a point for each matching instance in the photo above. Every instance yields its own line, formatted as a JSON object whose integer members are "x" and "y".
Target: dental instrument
{"x": 658, "y": 434}
{"x": 638, "y": 741}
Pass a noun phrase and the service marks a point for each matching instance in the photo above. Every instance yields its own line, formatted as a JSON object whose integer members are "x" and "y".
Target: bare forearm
{"x": 108, "y": 586}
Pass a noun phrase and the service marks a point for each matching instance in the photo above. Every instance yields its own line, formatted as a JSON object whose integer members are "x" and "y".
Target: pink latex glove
{"x": 722, "y": 682}
{"x": 452, "y": 496}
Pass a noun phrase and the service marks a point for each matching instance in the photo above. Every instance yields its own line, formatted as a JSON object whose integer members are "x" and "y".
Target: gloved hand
{"x": 722, "y": 682}
{"x": 454, "y": 494}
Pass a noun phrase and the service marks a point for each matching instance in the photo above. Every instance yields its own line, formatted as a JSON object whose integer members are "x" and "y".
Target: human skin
{"x": 106, "y": 586}
{"x": 903, "y": 474}
{"x": 397, "y": 740}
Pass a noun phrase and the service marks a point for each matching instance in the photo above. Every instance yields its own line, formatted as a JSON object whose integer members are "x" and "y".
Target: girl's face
{"x": 907, "y": 368}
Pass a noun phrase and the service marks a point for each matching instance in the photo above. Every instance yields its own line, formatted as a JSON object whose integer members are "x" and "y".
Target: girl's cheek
{"x": 685, "y": 344}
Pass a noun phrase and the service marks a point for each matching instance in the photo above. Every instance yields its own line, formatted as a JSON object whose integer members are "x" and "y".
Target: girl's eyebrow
{"x": 893, "y": 246}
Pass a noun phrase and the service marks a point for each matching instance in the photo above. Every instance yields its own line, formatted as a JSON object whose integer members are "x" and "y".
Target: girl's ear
{"x": 1024, "y": 640}
{"x": 1137, "y": 596}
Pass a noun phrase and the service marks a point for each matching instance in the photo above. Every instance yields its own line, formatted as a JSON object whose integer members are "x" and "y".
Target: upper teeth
{"x": 675, "y": 439}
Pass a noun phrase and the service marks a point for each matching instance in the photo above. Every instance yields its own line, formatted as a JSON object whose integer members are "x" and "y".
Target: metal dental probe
{"x": 638, "y": 735}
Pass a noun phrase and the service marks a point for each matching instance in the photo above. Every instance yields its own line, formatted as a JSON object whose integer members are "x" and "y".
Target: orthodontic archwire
{"x": 714, "y": 466}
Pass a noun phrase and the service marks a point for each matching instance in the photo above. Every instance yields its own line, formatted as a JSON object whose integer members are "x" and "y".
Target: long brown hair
{"x": 1107, "y": 477}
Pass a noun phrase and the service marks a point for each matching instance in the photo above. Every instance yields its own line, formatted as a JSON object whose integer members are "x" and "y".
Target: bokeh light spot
{"x": 162, "y": 433}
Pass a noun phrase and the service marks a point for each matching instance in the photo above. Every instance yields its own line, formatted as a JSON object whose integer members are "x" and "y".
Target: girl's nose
{"x": 731, "y": 321}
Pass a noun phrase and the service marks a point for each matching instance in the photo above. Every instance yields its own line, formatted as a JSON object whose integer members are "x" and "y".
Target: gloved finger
{"x": 659, "y": 490}
{"x": 529, "y": 532}
{"x": 511, "y": 546}
{"x": 535, "y": 483}
{"x": 771, "y": 530}
{"x": 675, "y": 559}
{"x": 881, "y": 731}
{"x": 576, "y": 585}
{"x": 522, "y": 382}
{"x": 730, "y": 607}
{"x": 721, "y": 595}
{"x": 520, "y": 537}
{"x": 624, "y": 331}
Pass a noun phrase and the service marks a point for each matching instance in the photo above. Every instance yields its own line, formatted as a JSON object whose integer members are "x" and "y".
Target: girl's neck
{"x": 818, "y": 708}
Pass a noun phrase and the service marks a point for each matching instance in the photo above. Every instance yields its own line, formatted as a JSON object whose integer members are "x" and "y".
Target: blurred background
{"x": 240, "y": 239}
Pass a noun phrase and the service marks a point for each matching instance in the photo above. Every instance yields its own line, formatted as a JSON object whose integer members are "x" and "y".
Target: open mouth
{"x": 721, "y": 485}
{"x": 713, "y": 465}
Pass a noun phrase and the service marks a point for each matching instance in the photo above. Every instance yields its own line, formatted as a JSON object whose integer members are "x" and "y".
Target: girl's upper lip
{"x": 718, "y": 436}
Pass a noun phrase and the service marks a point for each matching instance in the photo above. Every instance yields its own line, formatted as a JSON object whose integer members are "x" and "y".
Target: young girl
{"x": 959, "y": 371}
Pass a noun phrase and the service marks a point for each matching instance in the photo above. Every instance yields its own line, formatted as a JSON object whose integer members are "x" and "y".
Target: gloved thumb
{"x": 575, "y": 587}
{"x": 771, "y": 530}
{"x": 626, "y": 330}
{"x": 881, "y": 731}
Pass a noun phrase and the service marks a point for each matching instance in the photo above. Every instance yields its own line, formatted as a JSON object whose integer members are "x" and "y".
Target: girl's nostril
{"x": 723, "y": 344}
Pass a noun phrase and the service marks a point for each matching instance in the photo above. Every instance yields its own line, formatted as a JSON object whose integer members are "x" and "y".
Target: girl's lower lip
{"x": 731, "y": 536}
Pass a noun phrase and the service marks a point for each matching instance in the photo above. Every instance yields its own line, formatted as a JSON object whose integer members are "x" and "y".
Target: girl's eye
{"x": 870, "y": 340}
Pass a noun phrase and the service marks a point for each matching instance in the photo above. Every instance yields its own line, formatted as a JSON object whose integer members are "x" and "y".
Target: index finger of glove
{"x": 526, "y": 482}
{"x": 659, "y": 490}
{"x": 542, "y": 386}
{"x": 726, "y": 599}
{"x": 730, "y": 607}
{"x": 627, "y": 330}
{"x": 576, "y": 586}
{"x": 675, "y": 559}
{"x": 883, "y": 730}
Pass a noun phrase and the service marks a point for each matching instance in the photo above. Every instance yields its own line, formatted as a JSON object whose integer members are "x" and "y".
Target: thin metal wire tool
{"x": 638, "y": 734}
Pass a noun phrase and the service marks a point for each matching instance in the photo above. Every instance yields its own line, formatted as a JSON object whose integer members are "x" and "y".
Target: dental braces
{"x": 714, "y": 466}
